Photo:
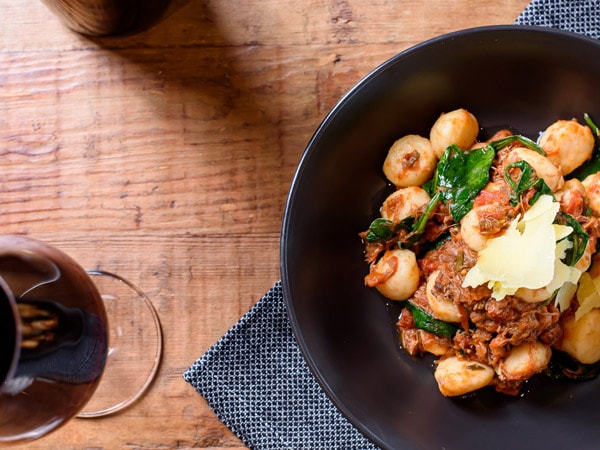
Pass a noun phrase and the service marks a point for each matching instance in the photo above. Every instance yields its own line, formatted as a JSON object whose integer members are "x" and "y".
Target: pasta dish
{"x": 491, "y": 248}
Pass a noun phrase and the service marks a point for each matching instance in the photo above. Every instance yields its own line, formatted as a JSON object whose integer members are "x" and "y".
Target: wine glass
{"x": 68, "y": 339}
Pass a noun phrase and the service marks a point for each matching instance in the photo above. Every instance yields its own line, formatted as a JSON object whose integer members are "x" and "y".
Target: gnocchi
{"x": 404, "y": 203}
{"x": 472, "y": 228}
{"x": 410, "y": 161}
{"x": 442, "y": 308}
{"x": 458, "y": 127}
{"x": 457, "y": 376}
{"x": 396, "y": 274}
{"x": 568, "y": 144}
{"x": 581, "y": 337}
{"x": 466, "y": 219}
{"x": 525, "y": 360}
{"x": 591, "y": 184}
{"x": 572, "y": 197}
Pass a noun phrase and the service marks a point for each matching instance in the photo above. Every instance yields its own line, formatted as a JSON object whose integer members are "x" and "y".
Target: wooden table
{"x": 166, "y": 157}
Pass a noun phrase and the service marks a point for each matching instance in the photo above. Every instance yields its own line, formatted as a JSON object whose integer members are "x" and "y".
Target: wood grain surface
{"x": 166, "y": 157}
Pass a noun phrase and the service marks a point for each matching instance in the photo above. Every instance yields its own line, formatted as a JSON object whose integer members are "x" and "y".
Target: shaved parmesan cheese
{"x": 527, "y": 255}
{"x": 565, "y": 294}
{"x": 588, "y": 295}
{"x": 565, "y": 277}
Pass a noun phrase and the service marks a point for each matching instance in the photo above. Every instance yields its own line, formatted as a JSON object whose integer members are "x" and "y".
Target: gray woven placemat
{"x": 579, "y": 16}
{"x": 257, "y": 382}
{"x": 255, "y": 378}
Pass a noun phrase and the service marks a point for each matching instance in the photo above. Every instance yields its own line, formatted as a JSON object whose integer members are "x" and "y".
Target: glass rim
{"x": 158, "y": 351}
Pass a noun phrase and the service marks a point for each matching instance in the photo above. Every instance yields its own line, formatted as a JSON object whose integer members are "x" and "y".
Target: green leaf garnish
{"x": 460, "y": 175}
{"x": 425, "y": 321}
{"x": 579, "y": 239}
{"x": 526, "y": 181}
{"x": 501, "y": 143}
{"x": 380, "y": 230}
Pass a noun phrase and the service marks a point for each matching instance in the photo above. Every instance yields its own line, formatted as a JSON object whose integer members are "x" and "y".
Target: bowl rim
{"x": 307, "y": 154}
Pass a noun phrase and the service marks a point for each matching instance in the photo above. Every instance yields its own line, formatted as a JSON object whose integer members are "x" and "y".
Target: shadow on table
{"x": 207, "y": 76}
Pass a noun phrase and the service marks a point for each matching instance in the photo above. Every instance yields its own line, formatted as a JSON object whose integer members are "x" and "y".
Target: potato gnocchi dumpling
{"x": 404, "y": 203}
{"x": 524, "y": 361}
{"x": 396, "y": 274}
{"x": 473, "y": 227}
{"x": 442, "y": 308}
{"x": 458, "y": 127}
{"x": 410, "y": 162}
{"x": 568, "y": 144}
{"x": 490, "y": 244}
{"x": 581, "y": 337}
{"x": 591, "y": 184}
{"x": 456, "y": 376}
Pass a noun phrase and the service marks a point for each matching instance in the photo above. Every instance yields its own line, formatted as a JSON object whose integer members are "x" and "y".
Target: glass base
{"x": 135, "y": 346}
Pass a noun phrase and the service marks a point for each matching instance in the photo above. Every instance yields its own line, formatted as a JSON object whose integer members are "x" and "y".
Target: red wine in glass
{"x": 53, "y": 339}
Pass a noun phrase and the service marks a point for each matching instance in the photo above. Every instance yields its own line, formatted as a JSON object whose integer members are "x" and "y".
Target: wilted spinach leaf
{"x": 579, "y": 238}
{"x": 419, "y": 226}
{"x": 382, "y": 230}
{"x": 425, "y": 321}
{"x": 501, "y": 143}
{"x": 460, "y": 175}
{"x": 526, "y": 181}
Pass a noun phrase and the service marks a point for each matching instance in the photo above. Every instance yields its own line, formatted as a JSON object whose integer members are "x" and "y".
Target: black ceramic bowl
{"x": 520, "y": 76}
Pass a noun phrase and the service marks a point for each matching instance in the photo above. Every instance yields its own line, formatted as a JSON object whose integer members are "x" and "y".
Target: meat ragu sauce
{"x": 498, "y": 324}
{"x": 431, "y": 235}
